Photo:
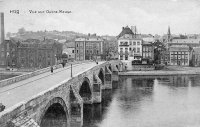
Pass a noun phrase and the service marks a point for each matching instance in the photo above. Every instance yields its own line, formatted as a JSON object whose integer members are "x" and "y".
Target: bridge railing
{"x": 37, "y": 72}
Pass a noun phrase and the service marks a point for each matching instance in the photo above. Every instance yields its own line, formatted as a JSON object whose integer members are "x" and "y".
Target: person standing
{"x": 51, "y": 69}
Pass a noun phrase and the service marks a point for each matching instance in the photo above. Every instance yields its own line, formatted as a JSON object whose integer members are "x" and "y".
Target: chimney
{"x": 134, "y": 30}
{"x": 89, "y": 34}
{"x": 1, "y": 27}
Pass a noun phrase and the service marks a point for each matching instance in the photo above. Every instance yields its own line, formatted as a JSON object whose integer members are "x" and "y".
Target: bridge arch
{"x": 85, "y": 90}
{"x": 101, "y": 76}
{"x": 55, "y": 114}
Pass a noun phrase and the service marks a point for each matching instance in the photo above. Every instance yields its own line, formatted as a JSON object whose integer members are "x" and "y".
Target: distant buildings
{"x": 88, "y": 48}
{"x": 179, "y": 55}
{"x": 69, "y": 49}
{"x": 32, "y": 53}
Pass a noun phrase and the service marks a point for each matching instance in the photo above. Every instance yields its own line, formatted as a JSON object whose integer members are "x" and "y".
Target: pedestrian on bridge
{"x": 51, "y": 69}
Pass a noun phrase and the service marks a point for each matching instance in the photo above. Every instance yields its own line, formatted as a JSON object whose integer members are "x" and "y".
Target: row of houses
{"x": 31, "y": 53}
{"x": 181, "y": 52}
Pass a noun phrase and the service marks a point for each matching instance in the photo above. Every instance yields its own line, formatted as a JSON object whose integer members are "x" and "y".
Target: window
{"x": 130, "y": 43}
{"x": 121, "y": 57}
{"x": 134, "y": 43}
{"x": 126, "y": 57}
{"x": 77, "y": 51}
{"x": 138, "y": 43}
{"x": 77, "y": 45}
{"x": 121, "y": 43}
{"x": 138, "y": 50}
{"x": 72, "y": 51}
{"x": 121, "y": 49}
{"x": 130, "y": 49}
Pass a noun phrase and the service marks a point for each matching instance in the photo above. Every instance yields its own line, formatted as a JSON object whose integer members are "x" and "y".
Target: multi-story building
{"x": 195, "y": 56}
{"x": 148, "y": 51}
{"x": 2, "y": 51}
{"x": 179, "y": 55}
{"x": 129, "y": 46}
{"x": 69, "y": 49}
{"x": 89, "y": 48}
{"x": 165, "y": 57}
{"x": 32, "y": 53}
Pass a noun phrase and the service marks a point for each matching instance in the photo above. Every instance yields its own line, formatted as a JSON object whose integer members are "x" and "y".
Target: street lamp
{"x": 71, "y": 69}
{"x": 55, "y": 59}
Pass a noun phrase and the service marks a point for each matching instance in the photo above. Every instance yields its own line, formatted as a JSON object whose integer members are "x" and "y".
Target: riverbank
{"x": 169, "y": 70}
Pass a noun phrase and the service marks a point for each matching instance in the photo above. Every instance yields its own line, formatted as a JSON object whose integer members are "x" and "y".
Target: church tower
{"x": 168, "y": 34}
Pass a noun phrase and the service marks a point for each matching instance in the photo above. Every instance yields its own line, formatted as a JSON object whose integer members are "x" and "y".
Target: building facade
{"x": 179, "y": 55}
{"x": 89, "y": 48}
{"x": 129, "y": 46}
{"x": 32, "y": 53}
{"x": 195, "y": 57}
{"x": 148, "y": 51}
{"x": 69, "y": 49}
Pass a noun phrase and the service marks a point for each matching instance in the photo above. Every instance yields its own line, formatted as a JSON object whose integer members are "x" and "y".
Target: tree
{"x": 21, "y": 30}
{"x": 8, "y": 34}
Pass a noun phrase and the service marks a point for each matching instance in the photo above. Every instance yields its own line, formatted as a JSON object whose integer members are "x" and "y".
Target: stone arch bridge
{"x": 65, "y": 100}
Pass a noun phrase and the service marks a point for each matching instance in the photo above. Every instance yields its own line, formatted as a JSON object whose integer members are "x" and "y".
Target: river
{"x": 169, "y": 101}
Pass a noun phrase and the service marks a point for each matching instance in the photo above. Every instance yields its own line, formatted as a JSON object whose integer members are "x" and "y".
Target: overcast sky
{"x": 104, "y": 16}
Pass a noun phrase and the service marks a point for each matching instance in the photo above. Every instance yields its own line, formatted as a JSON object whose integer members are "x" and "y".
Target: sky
{"x": 104, "y": 17}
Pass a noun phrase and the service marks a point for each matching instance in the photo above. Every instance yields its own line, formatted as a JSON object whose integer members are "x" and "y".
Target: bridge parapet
{"x": 66, "y": 93}
{"x": 31, "y": 74}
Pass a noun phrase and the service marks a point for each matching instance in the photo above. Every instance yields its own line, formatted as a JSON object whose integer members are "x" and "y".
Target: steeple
{"x": 168, "y": 34}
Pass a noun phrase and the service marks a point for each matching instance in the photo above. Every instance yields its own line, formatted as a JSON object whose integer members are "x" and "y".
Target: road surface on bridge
{"x": 26, "y": 89}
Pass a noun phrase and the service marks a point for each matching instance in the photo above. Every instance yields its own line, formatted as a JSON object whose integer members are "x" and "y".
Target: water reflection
{"x": 147, "y": 101}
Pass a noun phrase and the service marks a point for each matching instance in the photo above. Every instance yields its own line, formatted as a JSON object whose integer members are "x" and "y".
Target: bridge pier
{"x": 76, "y": 110}
{"x": 115, "y": 76}
{"x": 108, "y": 78}
{"x": 96, "y": 89}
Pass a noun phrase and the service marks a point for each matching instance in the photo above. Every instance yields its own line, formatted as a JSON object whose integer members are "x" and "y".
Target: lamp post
{"x": 71, "y": 70}
{"x": 55, "y": 59}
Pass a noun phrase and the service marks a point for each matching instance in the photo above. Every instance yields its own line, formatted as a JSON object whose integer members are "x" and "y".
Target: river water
{"x": 170, "y": 101}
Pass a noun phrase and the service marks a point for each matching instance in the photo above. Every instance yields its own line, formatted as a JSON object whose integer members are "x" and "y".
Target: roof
{"x": 196, "y": 41}
{"x": 70, "y": 44}
{"x": 179, "y": 48}
{"x": 196, "y": 49}
{"x": 89, "y": 39}
{"x": 148, "y": 39}
{"x": 126, "y": 30}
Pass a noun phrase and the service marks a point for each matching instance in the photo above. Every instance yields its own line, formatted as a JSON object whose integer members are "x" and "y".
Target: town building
{"x": 148, "y": 51}
{"x": 195, "y": 57}
{"x": 129, "y": 46}
{"x": 179, "y": 55}
{"x": 69, "y": 49}
{"x": 2, "y": 35}
{"x": 32, "y": 53}
{"x": 88, "y": 48}
{"x": 165, "y": 57}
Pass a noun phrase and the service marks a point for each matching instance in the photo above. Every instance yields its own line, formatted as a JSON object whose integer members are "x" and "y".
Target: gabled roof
{"x": 125, "y": 30}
